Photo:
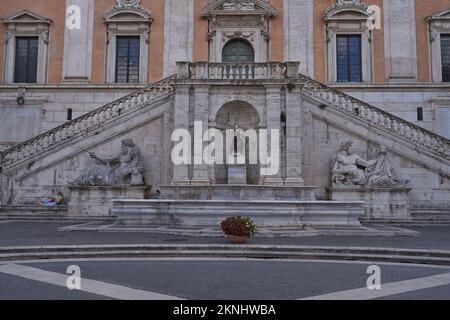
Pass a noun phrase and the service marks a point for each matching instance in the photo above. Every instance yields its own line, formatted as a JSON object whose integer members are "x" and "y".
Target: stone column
{"x": 201, "y": 114}
{"x": 181, "y": 121}
{"x": 77, "y": 63}
{"x": 293, "y": 138}
{"x": 273, "y": 117}
{"x": 400, "y": 40}
{"x": 178, "y": 33}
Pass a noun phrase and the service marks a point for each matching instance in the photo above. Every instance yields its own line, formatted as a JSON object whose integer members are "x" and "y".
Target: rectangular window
{"x": 349, "y": 58}
{"x": 69, "y": 114}
{"x": 26, "y": 57}
{"x": 127, "y": 59}
{"x": 419, "y": 114}
{"x": 445, "y": 51}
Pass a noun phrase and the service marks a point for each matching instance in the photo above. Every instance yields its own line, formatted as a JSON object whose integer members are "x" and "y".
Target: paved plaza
{"x": 220, "y": 278}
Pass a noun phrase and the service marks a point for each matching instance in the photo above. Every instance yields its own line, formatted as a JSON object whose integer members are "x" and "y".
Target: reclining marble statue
{"x": 124, "y": 169}
{"x": 351, "y": 169}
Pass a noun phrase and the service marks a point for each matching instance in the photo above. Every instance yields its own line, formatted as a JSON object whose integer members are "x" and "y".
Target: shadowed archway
{"x": 245, "y": 116}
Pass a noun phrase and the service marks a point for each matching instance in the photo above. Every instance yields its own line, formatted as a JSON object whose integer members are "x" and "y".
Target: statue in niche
{"x": 125, "y": 169}
{"x": 238, "y": 139}
{"x": 351, "y": 169}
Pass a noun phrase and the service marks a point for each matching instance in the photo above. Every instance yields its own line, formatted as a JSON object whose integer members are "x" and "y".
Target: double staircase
{"x": 425, "y": 147}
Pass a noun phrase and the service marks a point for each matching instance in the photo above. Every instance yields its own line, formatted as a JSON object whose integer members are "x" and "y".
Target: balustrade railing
{"x": 376, "y": 117}
{"x": 87, "y": 122}
{"x": 237, "y": 71}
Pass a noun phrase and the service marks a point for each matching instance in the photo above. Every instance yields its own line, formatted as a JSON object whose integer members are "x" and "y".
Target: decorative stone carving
{"x": 351, "y": 169}
{"x": 239, "y": 5}
{"x": 128, "y": 4}
{"x": 237, "y": 34}
{"x": 340, "y": 4}
{"x": 125, "y": 169}
{"x": 347, "y": 2}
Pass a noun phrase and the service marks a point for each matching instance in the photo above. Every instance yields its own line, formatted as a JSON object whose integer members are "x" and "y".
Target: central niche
{"x": 238, "y": 51}
{"x": 244, "y": 116}
{"x": 244, "y": 23}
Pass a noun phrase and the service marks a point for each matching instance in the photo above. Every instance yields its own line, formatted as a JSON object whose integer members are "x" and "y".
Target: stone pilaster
{"x": 201, "y": 107}
{"x": 293, "y": 138}
{"x": 298, "y": 33}
{"x": 400, "y": 40}
{"x": 178, "y": 33}
{"x": 273, "y": 114}
{"x": 181, "y": 121}
{"x": 77, "y": 63}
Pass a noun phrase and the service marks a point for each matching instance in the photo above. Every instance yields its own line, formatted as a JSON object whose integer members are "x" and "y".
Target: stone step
{"x": 437, "y": 257}
{"x": 33, "y": 210}
{"x": 426, "y": 211}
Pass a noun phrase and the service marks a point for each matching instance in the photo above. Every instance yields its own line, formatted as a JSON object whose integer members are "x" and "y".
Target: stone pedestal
{"x": 237, "y": 174}
{"x": 96, "y": 201}
{"x": 380, "y": 203}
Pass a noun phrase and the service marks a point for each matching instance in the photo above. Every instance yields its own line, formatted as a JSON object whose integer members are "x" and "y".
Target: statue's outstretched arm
{"x": 104, "y": 161}
{"x": 363, "y": 163}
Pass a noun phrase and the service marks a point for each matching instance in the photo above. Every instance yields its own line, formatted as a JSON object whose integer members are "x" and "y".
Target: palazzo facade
{"x": 78, "y": 76}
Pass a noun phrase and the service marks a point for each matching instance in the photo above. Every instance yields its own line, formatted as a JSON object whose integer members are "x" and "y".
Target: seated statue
{"x": 124, "y": 169}
{"x": 379, "y": 172}
{"x": 348, "y": 168}
{"x": 351, "y": 169}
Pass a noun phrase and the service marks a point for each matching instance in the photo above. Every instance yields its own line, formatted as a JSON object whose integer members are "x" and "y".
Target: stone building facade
{"x": 380, "y": 70}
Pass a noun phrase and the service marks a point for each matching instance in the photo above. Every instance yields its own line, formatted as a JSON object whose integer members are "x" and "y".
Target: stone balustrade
{"x": 87, "y": 122}
{"x": 237, "y": 71}
{"x": 376, "y": 117}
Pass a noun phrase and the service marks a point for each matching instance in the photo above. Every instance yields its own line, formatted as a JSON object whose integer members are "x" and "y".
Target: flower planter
{"x": 238, "y": 239}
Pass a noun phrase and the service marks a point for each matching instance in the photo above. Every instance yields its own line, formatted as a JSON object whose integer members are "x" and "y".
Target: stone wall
{"x": 46, "y": 107}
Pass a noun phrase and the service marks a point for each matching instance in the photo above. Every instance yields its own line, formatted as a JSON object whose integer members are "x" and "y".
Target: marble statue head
{"x": 347, "y": 146}
{"x": 128, "y": 143}
{"x": 382, "y": 150}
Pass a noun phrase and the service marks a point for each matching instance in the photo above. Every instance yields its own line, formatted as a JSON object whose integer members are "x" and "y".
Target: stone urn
{"x": 238, "y": 239}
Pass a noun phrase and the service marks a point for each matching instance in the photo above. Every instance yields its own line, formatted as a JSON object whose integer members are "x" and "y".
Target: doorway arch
{"x": 245, "y": 116}
{"x": 238, "y": 51}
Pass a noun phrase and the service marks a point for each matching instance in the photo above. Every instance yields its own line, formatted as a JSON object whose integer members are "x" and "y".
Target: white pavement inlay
{"x": 387, "y": 289}
{"x": 87, "y": 285}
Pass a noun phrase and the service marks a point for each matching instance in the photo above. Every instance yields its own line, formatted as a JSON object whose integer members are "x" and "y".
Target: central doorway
{"x": 238, "y": 51}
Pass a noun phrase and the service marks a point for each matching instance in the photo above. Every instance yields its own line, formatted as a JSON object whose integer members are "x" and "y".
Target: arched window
{"x": 238, "y": 51}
